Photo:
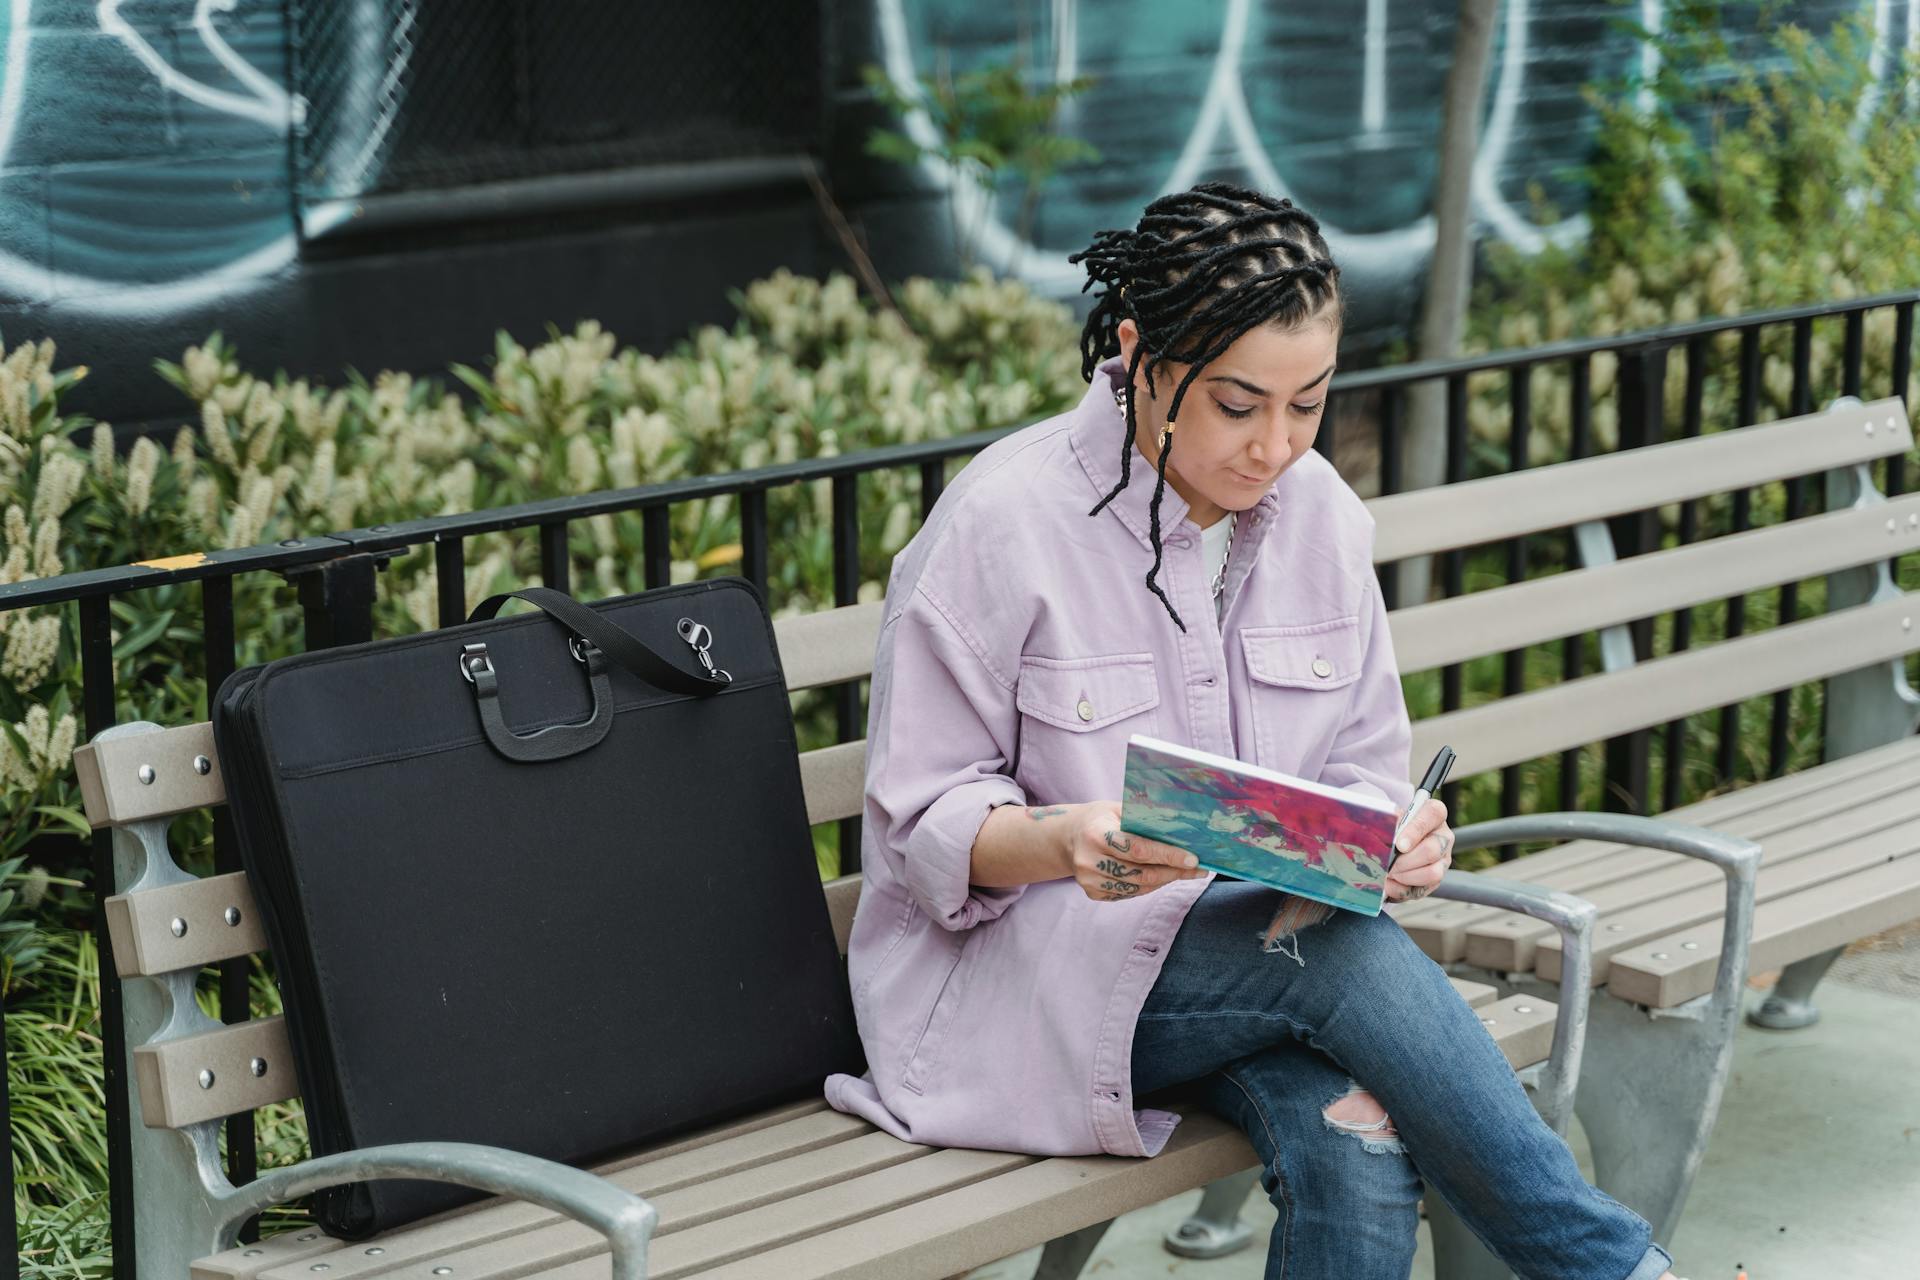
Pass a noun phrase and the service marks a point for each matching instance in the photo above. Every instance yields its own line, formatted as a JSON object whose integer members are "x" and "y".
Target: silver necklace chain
{"x": 1220, "y": 575}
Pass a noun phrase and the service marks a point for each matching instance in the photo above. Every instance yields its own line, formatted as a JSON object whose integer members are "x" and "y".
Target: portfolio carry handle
{"x": 593, "y": 636}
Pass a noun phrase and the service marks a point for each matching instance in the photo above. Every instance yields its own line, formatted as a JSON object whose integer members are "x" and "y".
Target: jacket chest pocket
{"x": 1076, "y": 715}
{"x": 1298, "y": 689}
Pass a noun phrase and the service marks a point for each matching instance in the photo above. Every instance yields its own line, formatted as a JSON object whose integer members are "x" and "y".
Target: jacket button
{"x": 1322, "y": 668}
{"x": 1085, "y": 709}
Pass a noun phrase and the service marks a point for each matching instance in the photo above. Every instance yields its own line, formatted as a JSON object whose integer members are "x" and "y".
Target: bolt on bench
{"x": 798, "y": 1191}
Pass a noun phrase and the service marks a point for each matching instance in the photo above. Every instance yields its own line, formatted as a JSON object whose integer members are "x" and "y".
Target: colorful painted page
{"x": 1259, "y": 824}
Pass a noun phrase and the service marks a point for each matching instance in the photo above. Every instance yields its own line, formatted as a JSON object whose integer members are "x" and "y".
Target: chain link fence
{"x": 411, "y": 95}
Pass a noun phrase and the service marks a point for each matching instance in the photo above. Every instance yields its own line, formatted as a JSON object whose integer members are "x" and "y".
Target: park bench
{"x": 1840, "y": 841}
{"x": 793, "y": 1192}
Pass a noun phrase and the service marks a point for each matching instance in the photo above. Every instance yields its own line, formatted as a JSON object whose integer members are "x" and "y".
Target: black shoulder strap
{"x": 619, "y": 644}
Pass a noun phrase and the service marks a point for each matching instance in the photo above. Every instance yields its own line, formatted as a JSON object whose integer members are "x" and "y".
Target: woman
{"x": 1022, "y": 969}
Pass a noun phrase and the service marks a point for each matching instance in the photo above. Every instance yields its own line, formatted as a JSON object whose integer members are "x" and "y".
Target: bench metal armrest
{"x": 1574, "y": 918}
{"x": 1737, "y": 858}
{"x": 623, "y": 1218}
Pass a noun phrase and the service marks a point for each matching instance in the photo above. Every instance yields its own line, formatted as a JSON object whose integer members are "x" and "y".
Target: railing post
{"x": 337, "y": 597}
{"x": 1640, "y": 398}
{"x": 97, "y": 701}
{"x": 9, "y": 1224}
{"x": 846, "y": 591}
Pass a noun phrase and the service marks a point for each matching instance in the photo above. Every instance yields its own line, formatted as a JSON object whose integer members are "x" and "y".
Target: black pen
{"x": 1430, "y": 782}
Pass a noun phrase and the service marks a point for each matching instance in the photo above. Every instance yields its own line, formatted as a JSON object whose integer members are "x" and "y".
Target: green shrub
{"x": 807, "y": 370}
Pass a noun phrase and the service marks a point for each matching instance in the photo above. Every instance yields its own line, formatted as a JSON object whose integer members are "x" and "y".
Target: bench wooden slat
{"x": 109, "y": 772}
{"x": 754, "y": 1188}
{"x": 828, "y": 646}
{"x": 1433, "y": 635}
{"x": 1715, "y": 811}
{"x": 843, "y": 895}
{"x": 168, "y": 1073}
{"x": 834, "y": 779}
{"x": 718, "y": 1203}
{"x": 705, "y": 1227}
{"x": 1475, "y": 994}
{"x": 949, "y": 1234}
{"x": 682, "y": 1253}
{"x": 753, "y": 1140}
{"x": 1620, "y": 900}
{"x": 143, "y": 926}
{"x": 1522, "y": 1026}
{"x": 1666, "y": 971}
{"x": 1527, "y": 726}
{"x": 1633, "y": 875}
{"x": 1696, "y": 906}
{"x": 1481, "y": 511}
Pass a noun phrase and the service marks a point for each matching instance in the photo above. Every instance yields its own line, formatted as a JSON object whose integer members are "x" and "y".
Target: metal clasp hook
{"x": 699, "y": 638}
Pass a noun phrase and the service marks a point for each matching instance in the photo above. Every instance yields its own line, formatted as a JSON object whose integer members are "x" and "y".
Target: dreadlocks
{"x": 1202, "y": 267}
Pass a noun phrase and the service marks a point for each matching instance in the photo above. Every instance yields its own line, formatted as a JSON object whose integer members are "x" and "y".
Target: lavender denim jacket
{"x": 1019, "y": 649}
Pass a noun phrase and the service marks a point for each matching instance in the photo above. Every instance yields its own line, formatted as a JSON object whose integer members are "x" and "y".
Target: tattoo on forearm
{"x": 1120, "y": 888}
{"x": 1119, "y": 840}
{"x": 1115, "y": 868}
{"x": 1049, "y": 811}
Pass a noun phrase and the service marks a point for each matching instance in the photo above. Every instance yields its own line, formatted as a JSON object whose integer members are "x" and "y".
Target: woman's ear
{"x": 1129, "y": 335}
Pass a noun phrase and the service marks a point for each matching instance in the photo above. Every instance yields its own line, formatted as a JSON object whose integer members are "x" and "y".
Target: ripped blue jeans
{"x": 1282, "y": 1048}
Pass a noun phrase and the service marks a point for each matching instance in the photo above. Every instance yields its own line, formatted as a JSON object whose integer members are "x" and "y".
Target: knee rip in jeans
{"x": 1359, "y": 1113}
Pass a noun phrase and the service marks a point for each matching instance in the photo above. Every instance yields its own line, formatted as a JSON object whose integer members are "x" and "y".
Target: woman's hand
{"x": 1425, "y": 847}
{"x": 1112, "y": 865}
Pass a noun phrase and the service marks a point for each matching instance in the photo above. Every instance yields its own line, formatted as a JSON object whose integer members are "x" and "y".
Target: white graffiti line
{"x": 1066, "y": 40}
{"x": 27, "y": 279}
{"x": 13, "y": 75}
{"x": 1878, "y": 63}
{"x": 1497, "y": 136}
{"x": 1373, "y": 97}
{"x": 224, "y": 283}
{"x": 269, "y": 104}
{"x": 242, "y": 70}
{"x": 1224, "y": 104}
{"x": 365, "y": 96}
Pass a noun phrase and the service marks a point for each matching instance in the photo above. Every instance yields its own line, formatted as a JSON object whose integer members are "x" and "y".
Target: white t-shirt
{"x": 1213, "y": 544}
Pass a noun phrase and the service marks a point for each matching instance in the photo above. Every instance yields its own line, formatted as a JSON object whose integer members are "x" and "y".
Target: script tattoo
{"x": 1116, "y": 868}
{"x": 1119, "y": 840}
{"x": 1120, "y": 888}
{"x": 1050, "y": 811}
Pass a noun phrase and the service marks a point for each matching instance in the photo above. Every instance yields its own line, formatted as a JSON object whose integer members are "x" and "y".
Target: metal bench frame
{"x": 184, "y": 1206}
{"x": 1653, "y": 1077}
{"x": 186, "y": 1209}
{"x": 1647, "y": 1098}
{"x": 1863, "y": 709}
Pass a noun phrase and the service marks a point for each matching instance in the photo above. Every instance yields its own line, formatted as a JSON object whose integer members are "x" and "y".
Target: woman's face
{"x": 1248, "y": 416}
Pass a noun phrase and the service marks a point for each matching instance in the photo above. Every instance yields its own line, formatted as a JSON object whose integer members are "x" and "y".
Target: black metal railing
{"x": 337, "y": 575}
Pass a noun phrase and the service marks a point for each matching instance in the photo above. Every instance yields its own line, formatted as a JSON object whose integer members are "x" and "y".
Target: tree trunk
{"x": 1443, "y": 309}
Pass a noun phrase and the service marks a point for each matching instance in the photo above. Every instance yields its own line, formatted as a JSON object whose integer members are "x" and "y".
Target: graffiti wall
{"x": 1335, "y": 105}
{"x": 386, "y": 182}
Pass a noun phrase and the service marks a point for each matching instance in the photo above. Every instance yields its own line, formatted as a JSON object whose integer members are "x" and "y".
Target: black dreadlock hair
{"x": 1202, "y": 267}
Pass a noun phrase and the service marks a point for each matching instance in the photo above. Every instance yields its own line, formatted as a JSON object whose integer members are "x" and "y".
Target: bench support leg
{"x": 1064, "y": 1256}
{"x": 1789, "y": 1006}
{"x": 1214, "y": 1229}
{"x": 1457, "y": 1252}
{"x": 1648, "y": 1098}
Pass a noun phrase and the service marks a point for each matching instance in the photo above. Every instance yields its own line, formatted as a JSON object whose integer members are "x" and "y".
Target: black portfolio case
{"x": 520, "y": 894}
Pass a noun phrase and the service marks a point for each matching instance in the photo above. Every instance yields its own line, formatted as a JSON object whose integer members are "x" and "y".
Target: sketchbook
{"x": 1259, "y": 824}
